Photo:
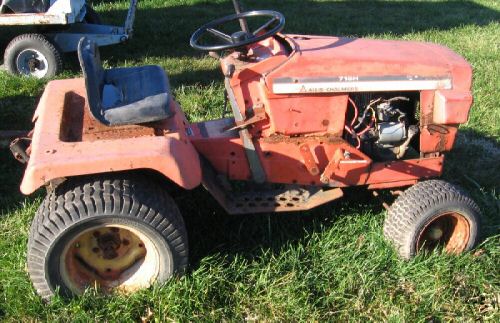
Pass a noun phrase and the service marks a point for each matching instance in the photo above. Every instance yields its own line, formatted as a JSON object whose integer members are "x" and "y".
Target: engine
{"x": 383, "y": 126}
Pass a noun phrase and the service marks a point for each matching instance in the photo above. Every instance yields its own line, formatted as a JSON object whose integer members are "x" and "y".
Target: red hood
{"x": 329, "y": 57}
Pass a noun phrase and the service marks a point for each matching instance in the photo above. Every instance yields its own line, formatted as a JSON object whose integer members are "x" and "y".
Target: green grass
{"x": 328, "y": 264}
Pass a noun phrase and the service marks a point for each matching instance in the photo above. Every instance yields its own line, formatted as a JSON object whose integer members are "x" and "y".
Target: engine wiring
{"x": 354, "y": 135}
{"x": 356, "y": 112}
{"x": 351, "y": 129}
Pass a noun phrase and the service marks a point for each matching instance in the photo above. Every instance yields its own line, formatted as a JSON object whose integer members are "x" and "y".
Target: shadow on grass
{"x": 211, "y": 231}
{"x": 11, "y": 173}
{"x": 474, "y": 164}
{"x": 16, "y": 111}
{"x": 16, "y": 114}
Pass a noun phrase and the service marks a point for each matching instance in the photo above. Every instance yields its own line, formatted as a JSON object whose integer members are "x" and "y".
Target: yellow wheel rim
{"x": 109, "y": 257}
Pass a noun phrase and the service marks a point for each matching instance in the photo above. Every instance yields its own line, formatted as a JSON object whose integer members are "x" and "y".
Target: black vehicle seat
{"x": 123, "y": 96}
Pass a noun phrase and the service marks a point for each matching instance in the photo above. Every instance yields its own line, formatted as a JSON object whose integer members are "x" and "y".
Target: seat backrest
{"x": 93, "y": 72}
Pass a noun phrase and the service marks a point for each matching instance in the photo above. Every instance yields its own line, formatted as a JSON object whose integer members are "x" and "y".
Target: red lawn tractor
{"x": 312, "y": 115}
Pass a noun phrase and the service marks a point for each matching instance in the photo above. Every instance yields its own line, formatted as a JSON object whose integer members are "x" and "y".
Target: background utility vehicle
{"x": 59, "y": 26}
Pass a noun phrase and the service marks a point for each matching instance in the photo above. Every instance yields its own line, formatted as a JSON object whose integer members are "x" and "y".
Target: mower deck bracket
{"x": 309, "y": 161}
{"x": 332, "y": 166}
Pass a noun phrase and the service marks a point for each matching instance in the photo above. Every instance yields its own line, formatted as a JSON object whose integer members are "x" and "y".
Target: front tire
{"x": 433, "y": 214}
{"x": 115, "y": 233}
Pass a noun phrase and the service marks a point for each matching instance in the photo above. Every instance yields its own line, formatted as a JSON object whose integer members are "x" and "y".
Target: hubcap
{"x": 32, "y": 63}
{"x": 109, "y": 258}
{"x": 450, "y": 230}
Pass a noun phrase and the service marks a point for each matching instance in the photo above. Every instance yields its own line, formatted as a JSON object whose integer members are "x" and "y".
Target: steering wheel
{"x": 240, "y": 38}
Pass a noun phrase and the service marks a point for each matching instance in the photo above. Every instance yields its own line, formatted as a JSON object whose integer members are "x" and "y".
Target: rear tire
{"x": 33, "y": 55}
{"x": 433, "y": 214}
{"x": 116, "y": 233}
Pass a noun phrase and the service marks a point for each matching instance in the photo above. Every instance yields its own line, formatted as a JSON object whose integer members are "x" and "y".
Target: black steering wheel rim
{"x": 254, "y": 37}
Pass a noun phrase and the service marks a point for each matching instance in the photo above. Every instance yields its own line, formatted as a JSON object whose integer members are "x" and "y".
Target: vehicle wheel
{"x": 91, "y": 16}
{"x": 33, "y": 55}
{"x": 115, "y": 233}
{"x": 433, "y": 214}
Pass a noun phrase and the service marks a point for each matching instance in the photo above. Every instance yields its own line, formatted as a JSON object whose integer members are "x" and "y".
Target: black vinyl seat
{"x": 123, "y": 96}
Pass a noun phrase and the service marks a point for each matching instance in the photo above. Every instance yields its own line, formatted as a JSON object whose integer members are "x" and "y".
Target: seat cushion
{"x": 138, "y": 95}
{"x": 123, "y": 96}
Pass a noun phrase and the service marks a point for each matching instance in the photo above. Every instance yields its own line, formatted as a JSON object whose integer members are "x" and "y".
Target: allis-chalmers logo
{"x": 318, "y": 88}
